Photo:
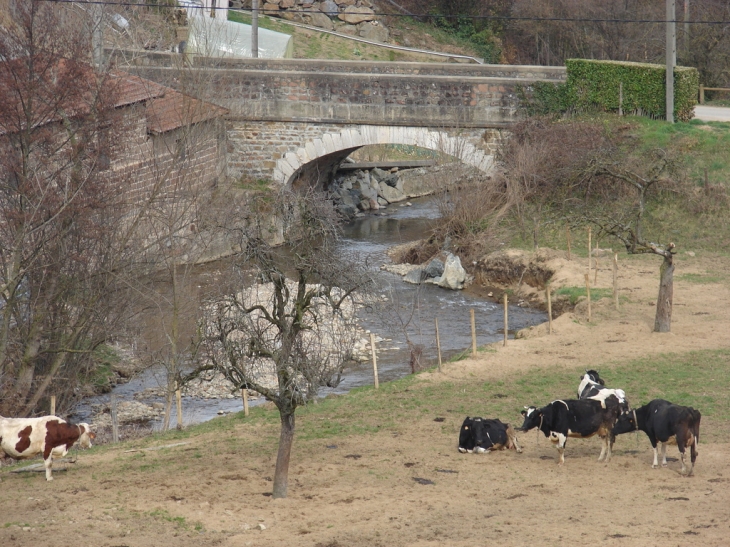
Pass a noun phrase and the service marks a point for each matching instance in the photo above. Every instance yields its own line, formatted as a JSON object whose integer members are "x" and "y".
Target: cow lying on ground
{"x": 50, "y": 436}
{"x": 662, "y": 420}
{"x": 593, "y": 387}
{"x": 480, "y": 435}
{"x": 570, "y": 418}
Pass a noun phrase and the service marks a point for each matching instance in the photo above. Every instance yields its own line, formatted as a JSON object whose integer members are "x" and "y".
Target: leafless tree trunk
{"x": 286, "y": 440}
{"x": 663, "y": 320}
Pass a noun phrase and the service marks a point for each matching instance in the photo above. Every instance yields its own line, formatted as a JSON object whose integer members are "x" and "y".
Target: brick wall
{"x": 182, "y": 161}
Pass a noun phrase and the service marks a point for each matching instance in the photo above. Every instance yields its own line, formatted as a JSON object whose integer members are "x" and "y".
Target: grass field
{"x": 696, "y": 379}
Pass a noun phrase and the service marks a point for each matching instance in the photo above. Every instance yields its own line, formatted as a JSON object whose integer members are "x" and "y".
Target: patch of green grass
{"x": 702, "y": 145}
{"x": 161, "y": 514}
{"x": 269, "y": 23}
{"x": 699, "y": 379}
{"x": 699, "y": 278}
{"x": 576, "y": 293}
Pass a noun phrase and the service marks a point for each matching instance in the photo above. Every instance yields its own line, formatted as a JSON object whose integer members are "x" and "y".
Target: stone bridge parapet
{"x": 297, "y": 119}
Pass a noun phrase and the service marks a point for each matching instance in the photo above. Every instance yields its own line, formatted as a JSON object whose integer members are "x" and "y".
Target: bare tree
{"x": 642, "y": 175}
{"x": 599, "y": 176}
{"x": 187, "y": 136}
{"x": 293, "y": 332}
{"x": 60, "y": 250}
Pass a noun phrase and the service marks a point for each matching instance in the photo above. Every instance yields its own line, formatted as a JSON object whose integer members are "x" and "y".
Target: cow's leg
{"x": 512, "y": 439}
{"x": 561, "y": 448}
{"x": 656, "y": 453}
{"x": 48, "y": 463}
{"x": 602, "y": 455}
{"x": 664, "y": 454}
{"x": 693, "y": 454}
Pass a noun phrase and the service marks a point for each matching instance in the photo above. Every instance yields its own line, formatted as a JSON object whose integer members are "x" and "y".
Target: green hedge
{"x": 595, "y": 85}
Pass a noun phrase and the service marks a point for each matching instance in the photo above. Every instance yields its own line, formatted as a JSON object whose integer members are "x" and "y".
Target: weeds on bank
{"x": 576, "y": 293}
{"x": 699, "y": 278}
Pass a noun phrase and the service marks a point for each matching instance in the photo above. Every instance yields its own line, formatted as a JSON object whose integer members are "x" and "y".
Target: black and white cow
{"x": 574, "y": 418}
{"x": 662, "y": 420}
{"x": 593, "y": 387}
{"x": 481, "y": 435}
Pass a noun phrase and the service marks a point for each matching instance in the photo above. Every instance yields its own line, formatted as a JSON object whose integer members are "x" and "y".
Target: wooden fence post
{"x": 588, "y": 293}
{"x": 375, "y": 361}
{"x": 550, "y": 308}
{"x": 53, "y": 405}
{"x": 115, "y": 423}
{"x": 620, "y": 98}
{"x": 473, "y": 334}
{"x": 178, "y": 402}
{"x": 438, "y": 341}
{"x": 244, "y": 396}
{"x": 589, "y": 250}
{"x": 506, "y": 318}
{"x": 615, "y": 279}
{"x": 567, "y": 238}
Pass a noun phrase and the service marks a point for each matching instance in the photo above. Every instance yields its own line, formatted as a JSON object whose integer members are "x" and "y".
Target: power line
{"x": 417, "y": 15}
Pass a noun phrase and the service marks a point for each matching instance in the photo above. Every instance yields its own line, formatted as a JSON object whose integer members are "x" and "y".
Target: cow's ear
{"x": 523, "y": 412}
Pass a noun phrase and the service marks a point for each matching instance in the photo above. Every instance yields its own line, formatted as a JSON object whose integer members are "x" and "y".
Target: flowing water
{"x": 371, "y": 236}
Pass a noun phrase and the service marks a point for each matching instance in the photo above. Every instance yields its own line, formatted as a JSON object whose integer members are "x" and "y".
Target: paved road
{"x": 712, "y": 113}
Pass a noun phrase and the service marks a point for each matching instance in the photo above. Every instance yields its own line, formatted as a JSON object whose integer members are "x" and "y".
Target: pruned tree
{"x": 601, "y": 176}
{"x": 642, "y": 174}
{"x": 292, "y": 329}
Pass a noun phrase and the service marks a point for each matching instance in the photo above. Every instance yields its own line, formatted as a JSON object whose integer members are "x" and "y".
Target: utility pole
{"x": 255, "y": 28}
{"x": 97, "y": 37}
{"x": 686, "y": 29}
{"x": 671, "y": 57}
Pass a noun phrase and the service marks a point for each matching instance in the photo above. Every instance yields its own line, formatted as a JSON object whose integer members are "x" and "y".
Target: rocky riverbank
{"x": 374, "y": 190}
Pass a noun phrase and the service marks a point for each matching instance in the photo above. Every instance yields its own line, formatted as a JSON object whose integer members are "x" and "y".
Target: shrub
{"x": 595, "y": 85}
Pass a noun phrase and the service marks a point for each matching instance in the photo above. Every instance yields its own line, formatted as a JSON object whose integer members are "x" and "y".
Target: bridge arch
{"x": 315, "y": 162}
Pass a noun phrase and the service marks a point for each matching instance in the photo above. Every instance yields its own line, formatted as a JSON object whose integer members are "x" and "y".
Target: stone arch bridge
{"x": 295, "y": 120}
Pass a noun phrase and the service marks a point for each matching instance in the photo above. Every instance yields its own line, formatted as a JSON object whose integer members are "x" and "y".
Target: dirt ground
{"x": 414, "y": 488}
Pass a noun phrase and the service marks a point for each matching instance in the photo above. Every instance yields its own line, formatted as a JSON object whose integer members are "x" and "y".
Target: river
{"x": 371, "y": 236}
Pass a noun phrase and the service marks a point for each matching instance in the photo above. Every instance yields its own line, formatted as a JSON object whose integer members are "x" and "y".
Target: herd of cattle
{"x": 597, "y": 411}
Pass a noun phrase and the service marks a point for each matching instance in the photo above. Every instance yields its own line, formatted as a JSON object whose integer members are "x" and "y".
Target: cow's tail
{"x": 696, "y": 417}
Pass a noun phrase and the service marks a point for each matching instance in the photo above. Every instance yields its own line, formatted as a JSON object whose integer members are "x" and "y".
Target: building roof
{"x": 173, "y": 109}
{"x": 63, "y": 87}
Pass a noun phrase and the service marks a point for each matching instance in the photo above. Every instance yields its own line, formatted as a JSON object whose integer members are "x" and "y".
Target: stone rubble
{"x": 366, "y": 191}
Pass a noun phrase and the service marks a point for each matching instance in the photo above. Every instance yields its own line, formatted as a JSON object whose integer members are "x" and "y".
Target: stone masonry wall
{"x": 256, "y": 149}
{"x": 384, "y": 99}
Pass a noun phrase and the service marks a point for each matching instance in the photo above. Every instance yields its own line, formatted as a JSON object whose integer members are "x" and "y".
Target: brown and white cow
{"x": 50, "y": 436}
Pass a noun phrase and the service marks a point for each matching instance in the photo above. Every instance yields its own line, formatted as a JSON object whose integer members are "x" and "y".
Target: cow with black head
{"x": 561, "y": 419}
{"x": 594, "y": 388}
{"x": 664, "y": 422}
{"x": 484, "y": 435}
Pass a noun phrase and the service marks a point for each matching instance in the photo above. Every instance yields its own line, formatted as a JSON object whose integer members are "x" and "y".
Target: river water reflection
{"x": 370, "y": 237}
